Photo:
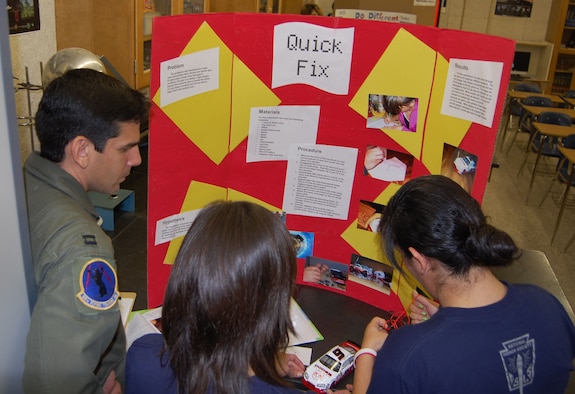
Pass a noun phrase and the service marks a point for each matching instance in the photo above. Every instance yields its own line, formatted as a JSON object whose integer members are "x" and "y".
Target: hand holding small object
{"x": 374, "y": 156}
{"x": 375, "y": 334}
{"x": 313, "y": 273}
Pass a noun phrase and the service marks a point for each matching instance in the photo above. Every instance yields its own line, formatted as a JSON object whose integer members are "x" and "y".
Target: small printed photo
{"x": 369, "y": 215}
{"x": 392, "y": 112}
{"x": 387, "y": 165}
{"x": 459, "y": 165}
{"x": 326, "y": 272}
{"x": 517, "y": 8}
{"x": 303, "y": 242}
{"x": 371, "y": 273}
{"x": 281, "y": 215}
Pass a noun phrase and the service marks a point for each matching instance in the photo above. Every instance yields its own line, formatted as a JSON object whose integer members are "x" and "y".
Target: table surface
{"x": 568, "y": 153}
{"x": 569, "y": 100}
{"x": 516, "y": 94}
{"x": 553, "y": 130}
{"x": 536, "y": 111}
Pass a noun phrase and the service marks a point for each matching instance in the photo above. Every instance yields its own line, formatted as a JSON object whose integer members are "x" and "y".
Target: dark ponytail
{"x": 437, "y": 217}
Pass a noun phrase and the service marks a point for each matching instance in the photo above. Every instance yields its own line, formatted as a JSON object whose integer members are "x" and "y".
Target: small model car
{"x": 330, "y": 368}
{"x": 465, "y": 164}
{"x": 338, "y": 277}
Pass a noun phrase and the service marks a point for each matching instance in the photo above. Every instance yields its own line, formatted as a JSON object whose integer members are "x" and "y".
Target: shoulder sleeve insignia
{"x": 98, "y": 285}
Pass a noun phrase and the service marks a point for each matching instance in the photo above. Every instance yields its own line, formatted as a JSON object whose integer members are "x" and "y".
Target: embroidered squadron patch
{"x": 518, "y": 356}
{"x": 98, "y": 285}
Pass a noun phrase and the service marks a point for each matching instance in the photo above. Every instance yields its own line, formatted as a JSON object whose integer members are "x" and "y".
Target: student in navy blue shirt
{"x": 226, "y": 311}
{"x": 484, "y": 336}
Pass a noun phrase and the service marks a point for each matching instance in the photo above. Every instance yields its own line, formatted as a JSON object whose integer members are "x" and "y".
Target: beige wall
{"x": 479, "y": 16}
{"x": 28, "y": 50}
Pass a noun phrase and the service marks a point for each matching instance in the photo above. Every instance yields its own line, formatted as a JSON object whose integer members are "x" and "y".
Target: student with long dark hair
{"x": 487, "y": 336}
{"x": 226, "y": 312}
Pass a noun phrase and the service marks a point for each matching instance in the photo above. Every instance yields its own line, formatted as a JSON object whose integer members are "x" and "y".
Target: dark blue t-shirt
{"x": 524, "y": 343}
{"x": 147, "y": 371}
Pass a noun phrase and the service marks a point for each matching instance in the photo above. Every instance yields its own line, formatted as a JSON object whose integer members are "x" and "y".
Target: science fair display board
{"x": 320, "y": 120}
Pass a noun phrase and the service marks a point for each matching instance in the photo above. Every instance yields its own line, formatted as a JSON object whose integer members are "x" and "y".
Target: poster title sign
{"x": 382, "y": 16}
{"x": 313, "y": 55}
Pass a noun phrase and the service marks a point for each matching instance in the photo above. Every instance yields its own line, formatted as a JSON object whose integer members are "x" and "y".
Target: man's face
{"x": 113, "y": 165}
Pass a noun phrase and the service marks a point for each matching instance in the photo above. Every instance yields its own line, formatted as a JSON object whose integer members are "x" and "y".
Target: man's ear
{"x": 79, "y": 150}
{"x": 419, "y": 262}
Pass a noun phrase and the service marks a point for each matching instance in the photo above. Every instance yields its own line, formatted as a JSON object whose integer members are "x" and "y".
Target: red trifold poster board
{"x": 300, "y": 114}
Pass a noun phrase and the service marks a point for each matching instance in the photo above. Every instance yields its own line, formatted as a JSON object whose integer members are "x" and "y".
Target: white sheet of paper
{"x": 306, "y": 331}
{"x": 319, "y": 180}
{"x": 273, "y": 129}
{"x": 374, "y": 15}
{"x": 126, "y": 303}
{"x": 188, "y": 75}
{"x": 390, "y": 170}
{"x": 313, "y": 55}
{"x": 174, "y": 226}
{"x": 138, "y": 327}
{"x": 471, "y": 90}
{"x": 303, "y": 353}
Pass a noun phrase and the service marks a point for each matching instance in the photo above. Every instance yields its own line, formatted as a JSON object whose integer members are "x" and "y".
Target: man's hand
{"x": 111, "y": 385}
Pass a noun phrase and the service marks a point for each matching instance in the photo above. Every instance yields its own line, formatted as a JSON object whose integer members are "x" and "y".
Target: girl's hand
{"x": 422, "y": 308}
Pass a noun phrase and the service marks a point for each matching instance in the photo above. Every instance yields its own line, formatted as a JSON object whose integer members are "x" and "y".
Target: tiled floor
{"x": 504, "y": 201}
{"x": 530, "y": 225}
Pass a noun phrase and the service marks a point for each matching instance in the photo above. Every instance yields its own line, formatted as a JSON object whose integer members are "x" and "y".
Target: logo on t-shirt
{"x": 518, "y": 356}
{"x": 98, "y": 285}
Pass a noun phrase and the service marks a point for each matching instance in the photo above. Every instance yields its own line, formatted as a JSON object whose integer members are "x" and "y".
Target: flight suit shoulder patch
{"x": 98, "y": 285}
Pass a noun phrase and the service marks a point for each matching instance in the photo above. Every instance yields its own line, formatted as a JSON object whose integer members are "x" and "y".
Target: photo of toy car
{"x": 330, "y": 368}
{"x": 464, "y": 165}
{"x": 337, "y": 276}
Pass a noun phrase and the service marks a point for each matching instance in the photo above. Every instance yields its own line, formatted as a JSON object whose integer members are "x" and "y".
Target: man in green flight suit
{"x": 88, "y": 125}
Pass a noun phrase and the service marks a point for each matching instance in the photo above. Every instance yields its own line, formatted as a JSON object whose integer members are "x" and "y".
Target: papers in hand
{"x": 126, "y": 303}
{"x": 149, "y": 322}
{"x": 306, "y": 331}
{"x": 142, "y": 324}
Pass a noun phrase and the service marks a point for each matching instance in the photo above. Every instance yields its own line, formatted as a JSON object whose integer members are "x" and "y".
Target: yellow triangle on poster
{"x": 205, "y": 118}
{"x": 441, "y": 129}
{"x": 396, "y": 73}
{"x": 199, "y": 195}
{"x": 217, "y": 121}
{"x": 247, "y": 91}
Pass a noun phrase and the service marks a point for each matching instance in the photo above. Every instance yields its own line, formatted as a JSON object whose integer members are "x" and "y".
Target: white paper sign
{"x": 174, "y": 226}
{"x": 319, "y": 180}
{"x": 189, "y": 75}
{"x": 471, "y": 90}
{"x": 382, "y": 16}
{"x": 312, "y": 55}
{"x": 428, "y": 3}
{"x": 273, "y": 129}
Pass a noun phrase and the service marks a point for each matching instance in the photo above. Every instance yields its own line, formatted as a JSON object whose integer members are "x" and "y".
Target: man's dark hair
{"x": 88, "y": 103}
